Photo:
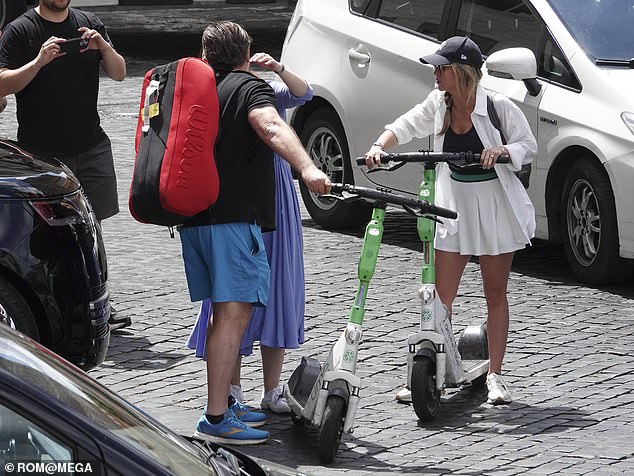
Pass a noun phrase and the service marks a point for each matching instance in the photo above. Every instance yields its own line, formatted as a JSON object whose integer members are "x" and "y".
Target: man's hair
{"x": 225, "y": 43}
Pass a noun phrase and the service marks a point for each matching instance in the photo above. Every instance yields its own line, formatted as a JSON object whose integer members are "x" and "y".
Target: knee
{"x": 495, "y": 295}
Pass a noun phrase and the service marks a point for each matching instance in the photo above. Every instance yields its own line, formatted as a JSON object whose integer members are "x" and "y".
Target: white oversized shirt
{"x": 427, "y": 118}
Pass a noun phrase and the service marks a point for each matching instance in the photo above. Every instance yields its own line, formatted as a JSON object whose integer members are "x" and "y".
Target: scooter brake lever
{"x": 418, "y": 213}
{"x": 344, "y": 197}
{"x": 389, "y": 167}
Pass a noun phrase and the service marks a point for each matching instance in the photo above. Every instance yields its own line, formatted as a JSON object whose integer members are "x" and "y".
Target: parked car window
{"x": 422, "y": 16}
{"x": 24, "y": 440}
{"x": 498, "y": 24}
{"x": 359, "y": 6}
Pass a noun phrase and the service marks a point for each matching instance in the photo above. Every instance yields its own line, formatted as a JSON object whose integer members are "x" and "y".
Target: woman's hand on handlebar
{"x": 488, "y": 157}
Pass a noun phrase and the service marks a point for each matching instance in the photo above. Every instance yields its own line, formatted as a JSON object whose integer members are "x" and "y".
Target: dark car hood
{"x": 23, "y": 175}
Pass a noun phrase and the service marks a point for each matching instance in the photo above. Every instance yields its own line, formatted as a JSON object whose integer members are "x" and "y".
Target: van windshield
{"x": 603, "y": 28}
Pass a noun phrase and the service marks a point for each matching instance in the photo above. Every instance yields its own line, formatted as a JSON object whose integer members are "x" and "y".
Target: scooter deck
{"x": 475, "y": 368}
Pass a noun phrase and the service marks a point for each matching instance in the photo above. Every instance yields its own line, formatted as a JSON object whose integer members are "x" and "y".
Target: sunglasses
{"x": 440, "y": 68}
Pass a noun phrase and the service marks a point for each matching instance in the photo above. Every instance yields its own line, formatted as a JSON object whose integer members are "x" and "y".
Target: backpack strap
{"x": 524, "y": 174}
{"x": 493, "y": 116}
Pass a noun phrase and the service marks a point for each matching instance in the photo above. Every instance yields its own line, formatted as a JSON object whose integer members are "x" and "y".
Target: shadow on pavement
{"x": 129, "y": 351}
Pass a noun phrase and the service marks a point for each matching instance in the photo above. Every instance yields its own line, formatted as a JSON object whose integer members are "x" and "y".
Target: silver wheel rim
{"x": 325, "y": 151}
{"x": 5, "y": 318}
{"x": 584, "y": 222}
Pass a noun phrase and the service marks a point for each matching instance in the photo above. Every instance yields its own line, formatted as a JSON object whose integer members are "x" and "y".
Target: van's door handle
{"x": 360, "y": 58}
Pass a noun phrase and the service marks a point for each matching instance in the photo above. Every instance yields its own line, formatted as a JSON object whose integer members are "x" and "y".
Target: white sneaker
{"x": 275, "y": 401}
{"x": 236, "y": 392}
{"x": 404, "y": 395}
{"x": 498, "y": 391}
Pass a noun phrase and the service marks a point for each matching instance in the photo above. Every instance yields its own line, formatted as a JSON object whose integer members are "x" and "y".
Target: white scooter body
{"x": 436, "y": 336}
{"x": 338, "y": 372}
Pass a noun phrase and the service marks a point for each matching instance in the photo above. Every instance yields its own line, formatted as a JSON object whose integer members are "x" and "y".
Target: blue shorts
{"x": 226, "y": 263}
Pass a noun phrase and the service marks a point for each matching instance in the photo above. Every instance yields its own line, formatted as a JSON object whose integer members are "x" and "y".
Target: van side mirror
{"x": 515, "y": 63}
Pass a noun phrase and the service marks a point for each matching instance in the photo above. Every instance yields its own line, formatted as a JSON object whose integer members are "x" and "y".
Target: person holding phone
{"x": 50, "y": 58}
{"x": 496, "y": 216}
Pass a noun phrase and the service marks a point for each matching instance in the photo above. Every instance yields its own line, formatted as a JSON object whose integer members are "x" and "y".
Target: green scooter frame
{"x": 327, "y": 396}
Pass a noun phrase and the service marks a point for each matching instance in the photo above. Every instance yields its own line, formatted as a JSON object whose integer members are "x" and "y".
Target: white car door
{"x": 384, "y": 78}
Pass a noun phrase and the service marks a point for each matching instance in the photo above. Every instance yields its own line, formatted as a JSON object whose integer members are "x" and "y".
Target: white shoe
{"x": 236, "y": 392}
{"x": 498, "y": 391}
{"x": 404, "y": 395}
{"x": 275, "y": 401}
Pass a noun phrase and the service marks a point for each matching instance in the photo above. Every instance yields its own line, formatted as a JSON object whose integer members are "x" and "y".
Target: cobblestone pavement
{"x": 569, "y": 360}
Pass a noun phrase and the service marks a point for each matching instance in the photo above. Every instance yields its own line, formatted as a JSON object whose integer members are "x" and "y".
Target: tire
{"x": 589, "y": 226}
{"x": 326, "y": 143}
{"x": 15, "y": 312}
{"x": 10, "y": 10}
{"x": 297, "y": 420}
{"x": 331, "y": 429}
{"x": 425, "y": 395}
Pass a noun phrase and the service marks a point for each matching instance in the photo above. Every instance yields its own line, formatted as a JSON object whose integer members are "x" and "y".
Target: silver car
{"x": 362, "y": 59}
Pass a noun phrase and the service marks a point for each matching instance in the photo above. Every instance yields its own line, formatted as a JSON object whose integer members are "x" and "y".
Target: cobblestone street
{"x": 569, "y": 359}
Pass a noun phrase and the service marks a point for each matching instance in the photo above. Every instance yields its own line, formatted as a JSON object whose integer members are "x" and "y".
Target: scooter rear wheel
{"x": 331, "y": 428}
{"x": 425, "y": 395}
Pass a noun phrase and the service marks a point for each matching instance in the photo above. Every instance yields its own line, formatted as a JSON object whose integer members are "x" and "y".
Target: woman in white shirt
{"x": 496, "y": 216}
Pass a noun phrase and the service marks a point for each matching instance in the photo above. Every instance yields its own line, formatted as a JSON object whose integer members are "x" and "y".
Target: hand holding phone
{"x": 74, "y": 45}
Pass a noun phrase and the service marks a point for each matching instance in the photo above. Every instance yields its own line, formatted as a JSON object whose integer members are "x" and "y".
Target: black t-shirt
{"x": 57, "y": 110}
{"x": 244, "y": 162}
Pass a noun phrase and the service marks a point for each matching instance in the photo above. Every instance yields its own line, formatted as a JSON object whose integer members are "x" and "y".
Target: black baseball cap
{"x": 457, "y": 49}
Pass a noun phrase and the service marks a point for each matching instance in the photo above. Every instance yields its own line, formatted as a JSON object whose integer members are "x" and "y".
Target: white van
{"x": 362, "y": 59}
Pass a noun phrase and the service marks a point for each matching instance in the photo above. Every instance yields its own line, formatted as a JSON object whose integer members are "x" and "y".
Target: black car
{"x": 58, "y": 417}
{"x": 10, "y": 9}
{"x": 53, "y": 271}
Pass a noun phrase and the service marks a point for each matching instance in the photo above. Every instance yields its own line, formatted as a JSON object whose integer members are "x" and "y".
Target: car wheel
{"x": 15, "y": 312}
{"x": 326, "y": 144}
{"x": 590, "y": 232}
{"x": 11, "y": 9}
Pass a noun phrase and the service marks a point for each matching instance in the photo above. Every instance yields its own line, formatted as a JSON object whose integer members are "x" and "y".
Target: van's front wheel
{"x": 589, "y": 225}
{"x": 326, "y": 144}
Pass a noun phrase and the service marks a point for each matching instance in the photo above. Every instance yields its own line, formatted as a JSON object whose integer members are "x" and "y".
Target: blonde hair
{"x": 467, "y": 80}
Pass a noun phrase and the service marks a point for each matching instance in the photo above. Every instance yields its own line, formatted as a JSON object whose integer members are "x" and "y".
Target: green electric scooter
{"x": 435, "y": 361}
{"x": 326, "y": 396}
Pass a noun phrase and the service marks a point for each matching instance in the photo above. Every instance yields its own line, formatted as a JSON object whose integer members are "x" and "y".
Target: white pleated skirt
{"x": 486, "y": 222}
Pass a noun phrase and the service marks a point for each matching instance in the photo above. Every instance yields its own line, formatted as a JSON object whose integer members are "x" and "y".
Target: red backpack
{"x": 175, "y": 174}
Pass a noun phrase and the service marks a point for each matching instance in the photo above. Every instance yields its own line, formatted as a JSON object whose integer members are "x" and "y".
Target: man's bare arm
{"x": 279, "y": 136}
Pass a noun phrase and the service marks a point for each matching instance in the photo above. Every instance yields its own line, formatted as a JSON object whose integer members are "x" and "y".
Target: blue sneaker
{"x": 246, "y": 416}
{"x": 229, "y": 431}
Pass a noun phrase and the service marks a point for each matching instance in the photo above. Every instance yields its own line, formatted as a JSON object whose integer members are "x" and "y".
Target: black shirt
{"x": 244, "y": 162}
{"x": 57, "y": 110}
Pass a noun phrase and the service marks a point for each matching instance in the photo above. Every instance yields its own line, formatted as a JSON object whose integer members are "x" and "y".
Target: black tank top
{"x": 469, "y": 141}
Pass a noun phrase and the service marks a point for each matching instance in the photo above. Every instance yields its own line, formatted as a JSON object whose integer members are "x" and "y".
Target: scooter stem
{"x": 367, "y": 261}
{"x": 427, "y": 227}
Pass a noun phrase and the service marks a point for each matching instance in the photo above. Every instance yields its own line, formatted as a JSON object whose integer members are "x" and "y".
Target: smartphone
{"x": 74, "y": 45}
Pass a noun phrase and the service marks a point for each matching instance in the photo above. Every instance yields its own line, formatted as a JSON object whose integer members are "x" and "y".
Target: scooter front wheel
{"x": 425, "y": 395}
{"x": 331, "y": 428}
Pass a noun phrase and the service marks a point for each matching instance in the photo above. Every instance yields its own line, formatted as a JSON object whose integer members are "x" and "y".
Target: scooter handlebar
{"x": 420, "y": 206}
{"x": 430, "y": 156}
